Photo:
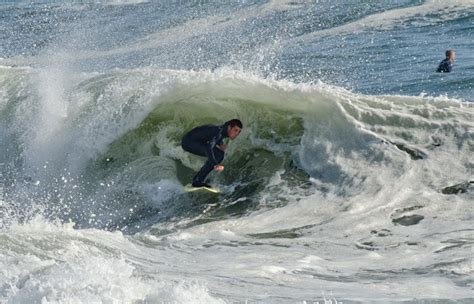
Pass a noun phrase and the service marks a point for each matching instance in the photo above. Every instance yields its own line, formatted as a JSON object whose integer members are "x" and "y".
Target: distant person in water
{"x": 207, "y": 141}
{"x": 446, "y": 65}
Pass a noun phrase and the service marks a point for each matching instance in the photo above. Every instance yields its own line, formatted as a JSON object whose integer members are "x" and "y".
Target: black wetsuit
{"x": 445, "y": 66}
{"x": 203, "y": 141}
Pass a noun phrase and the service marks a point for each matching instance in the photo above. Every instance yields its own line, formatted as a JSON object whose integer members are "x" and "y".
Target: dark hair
{"x": 234, "y": 122}
{"x": 449, "y": 52}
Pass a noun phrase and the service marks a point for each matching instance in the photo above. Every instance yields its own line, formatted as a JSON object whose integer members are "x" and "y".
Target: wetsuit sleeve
{"x": 210, "y": 148}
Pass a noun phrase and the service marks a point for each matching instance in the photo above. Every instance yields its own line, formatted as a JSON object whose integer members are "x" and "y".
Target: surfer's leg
{"x": 208, "y": 167}
{"x": 193, "y": 147}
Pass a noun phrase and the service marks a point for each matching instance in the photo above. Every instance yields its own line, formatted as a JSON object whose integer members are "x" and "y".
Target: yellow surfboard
{"x": 190, "y": 188}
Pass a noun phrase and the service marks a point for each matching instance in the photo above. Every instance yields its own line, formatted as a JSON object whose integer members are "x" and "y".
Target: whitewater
{"x": 351, "y": 182}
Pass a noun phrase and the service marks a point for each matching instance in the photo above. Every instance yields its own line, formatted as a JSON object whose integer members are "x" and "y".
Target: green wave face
{"x": 106, "y": 151}
{"x": 268, "y": 146}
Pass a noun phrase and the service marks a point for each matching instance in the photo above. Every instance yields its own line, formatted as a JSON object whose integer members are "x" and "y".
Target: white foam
{"x": 318, "y": 240}
{"x": 422, "y": 15}
{"x": 124, "y": 2}
{"x": 53, "y": 263}
{"x": 184, "y": 293}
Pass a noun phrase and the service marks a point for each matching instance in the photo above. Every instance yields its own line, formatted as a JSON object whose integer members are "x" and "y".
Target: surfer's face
{"x": 233, "y": 132}
{"x": 452, "y": 56}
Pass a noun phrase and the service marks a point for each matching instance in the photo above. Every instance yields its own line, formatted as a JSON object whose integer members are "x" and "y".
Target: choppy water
{"x": 351, "y": 182}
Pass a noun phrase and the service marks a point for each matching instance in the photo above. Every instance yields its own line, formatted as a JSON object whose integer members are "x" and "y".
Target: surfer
{"x": 446, "y": 65}
{"x": 207, "y": 141}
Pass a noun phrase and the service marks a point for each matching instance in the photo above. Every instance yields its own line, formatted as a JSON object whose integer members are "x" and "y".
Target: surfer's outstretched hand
{"x": 219, "y": 168}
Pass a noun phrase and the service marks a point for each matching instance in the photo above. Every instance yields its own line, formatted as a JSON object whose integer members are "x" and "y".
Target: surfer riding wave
{"x": 207, "y": 141}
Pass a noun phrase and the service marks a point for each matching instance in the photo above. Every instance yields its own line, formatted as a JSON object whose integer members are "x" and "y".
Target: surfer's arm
{"x": 212, "y": 157}
{"x": 218, "y": 167}
{"x": 210, "y": 149}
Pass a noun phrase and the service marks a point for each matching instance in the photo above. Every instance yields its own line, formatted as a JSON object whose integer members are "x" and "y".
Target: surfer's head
{"x": 451, "y": 55}
{"x": 234, "y": 127}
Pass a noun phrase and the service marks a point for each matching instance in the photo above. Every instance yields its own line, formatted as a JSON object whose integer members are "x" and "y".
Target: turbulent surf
{"x": 351, "y": 181}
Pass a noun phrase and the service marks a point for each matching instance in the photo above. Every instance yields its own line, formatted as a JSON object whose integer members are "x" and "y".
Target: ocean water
{"x": 352, "y": 181}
